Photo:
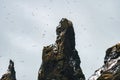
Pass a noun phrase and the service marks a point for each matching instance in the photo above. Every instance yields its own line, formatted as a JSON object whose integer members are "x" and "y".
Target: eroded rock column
{"x": 11, "y": 74}
{"x": 60, "y": 61}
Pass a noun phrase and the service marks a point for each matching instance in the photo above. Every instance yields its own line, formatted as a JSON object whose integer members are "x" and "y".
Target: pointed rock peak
{"x": 65, "y": 23}
{"x": 63, "y": 26}
{"x": 61, "y": 61}
{"x": 11, "y": 65}
{"x": 11, "y": 74}
{"x": 111, "y": 68}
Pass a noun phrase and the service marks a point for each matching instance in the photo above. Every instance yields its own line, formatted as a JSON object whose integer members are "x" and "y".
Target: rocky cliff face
{"x": 111, "y": 68}
{"x": 60, "y": 61}
{"x": 10, "y": 75}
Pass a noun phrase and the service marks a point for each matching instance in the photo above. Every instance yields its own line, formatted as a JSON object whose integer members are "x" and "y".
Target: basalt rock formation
{"x": 60, "y": 61}
{"x": 10, "y": 75}
{"x": 111, "y": 68}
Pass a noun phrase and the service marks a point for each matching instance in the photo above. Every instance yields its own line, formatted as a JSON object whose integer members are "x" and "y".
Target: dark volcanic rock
{"x": 111, "y": 68}
{"x": 10, "y": 75}
{"x": 61, "y": 60}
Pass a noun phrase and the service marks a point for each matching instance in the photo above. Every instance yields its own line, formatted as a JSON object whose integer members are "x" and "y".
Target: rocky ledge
{"x": 10, "y": 75}
{"x": 111, "y": 68}
{"x": 60, "y": 61}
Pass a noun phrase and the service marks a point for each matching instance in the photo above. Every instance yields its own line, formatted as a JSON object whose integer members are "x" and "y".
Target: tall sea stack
{"x": 60, "y": 61}
{"x": 11, "y": 74}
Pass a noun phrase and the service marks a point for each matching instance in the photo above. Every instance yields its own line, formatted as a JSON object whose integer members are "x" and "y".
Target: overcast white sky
{"x": 28, "y": 25}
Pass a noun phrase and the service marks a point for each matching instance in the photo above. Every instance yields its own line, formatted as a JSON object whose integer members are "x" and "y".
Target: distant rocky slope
{"x": 60, "y": 61}
{"x": 111, "y": 68}
{"x": 10, "y": 75}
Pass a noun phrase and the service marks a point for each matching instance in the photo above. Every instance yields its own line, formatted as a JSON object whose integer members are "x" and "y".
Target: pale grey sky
{"x": 28, "y": 25}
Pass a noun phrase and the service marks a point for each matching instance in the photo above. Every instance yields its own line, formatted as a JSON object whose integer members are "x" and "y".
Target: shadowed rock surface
{"x": 60, "y": 61}
{"x": 111, "y": 68}
{"x": 10, "y": 75}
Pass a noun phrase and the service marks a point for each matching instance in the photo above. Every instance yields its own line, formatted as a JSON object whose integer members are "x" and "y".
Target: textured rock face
{"x": 111, "y": 68}
{"x": 10, "y": 75}
{"x": 61, "y": 61}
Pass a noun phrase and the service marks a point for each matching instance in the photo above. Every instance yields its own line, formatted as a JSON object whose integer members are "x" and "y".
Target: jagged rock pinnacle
{"x": 111, "y": 68}
{"x": 61, "y": 60}
{"x": 10, "y": 75}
